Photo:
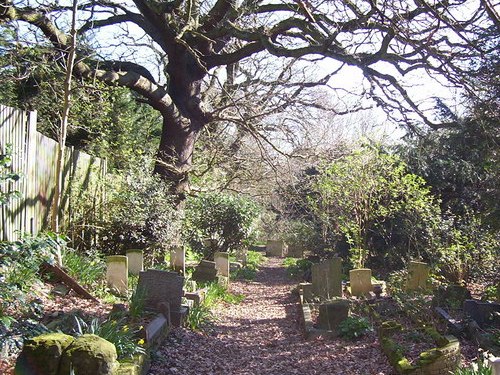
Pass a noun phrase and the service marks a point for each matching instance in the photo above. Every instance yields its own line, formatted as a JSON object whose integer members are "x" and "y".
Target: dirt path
{"x": 262, "y": 335}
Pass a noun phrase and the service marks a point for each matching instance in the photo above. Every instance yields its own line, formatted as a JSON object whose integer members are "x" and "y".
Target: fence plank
{"x": 35, "y": 157}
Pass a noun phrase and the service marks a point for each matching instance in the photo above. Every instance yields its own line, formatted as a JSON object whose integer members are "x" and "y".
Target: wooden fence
{"x": 34, "y": 157}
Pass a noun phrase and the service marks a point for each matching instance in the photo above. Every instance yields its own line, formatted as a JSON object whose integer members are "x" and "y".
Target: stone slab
{"x": 178, "y": 259}
{"x": 331, "y": 314}
{"x": 418, "y": 273}
{"x": 117, "y": 273}
{"x": 161, "y": 287}
{"x": 205, "y": 272}
{"x": 135, "y": 261}
{"x": 295, "y": 251}
{"x": 327, "y": 278}
{"x": 276, "y": 248}
{"x": 222, "y": 263}
{"x": 360, "y": 280}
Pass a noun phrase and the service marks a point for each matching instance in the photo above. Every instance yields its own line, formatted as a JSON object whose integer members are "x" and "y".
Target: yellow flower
{"x": 141, "y": 342}
{"x": 125, "y": 328}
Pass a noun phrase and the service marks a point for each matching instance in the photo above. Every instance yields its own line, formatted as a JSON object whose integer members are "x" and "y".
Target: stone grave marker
{"x": 361, "y": 281}
{"x": 241, "y": 256}
{"x": 331, "y": 314}
{"x": 162, "y": 288}
{"x": 481, "y": 312}
{"x": 418, "y": 273}
{"x": 178, "y": 259}
{"x": 135, "y": 261}
{"x": 205, "y": 271}
{"x": 276, "y": 248}
{"x": 222, "y": 263}
{"x": 327, "y": 278}
{"x": 296, "y": 251}
{"x": 117, "y": 273}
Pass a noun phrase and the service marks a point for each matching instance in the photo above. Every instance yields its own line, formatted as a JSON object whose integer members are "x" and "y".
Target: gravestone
{"x": 296, "y": 251}
{"x": 307, "y": 292}
{"x": 360, "y": 280}
{"x": 178, "y": 259}
{"x": 135, "y": 261}
{"x": 117, "y": 273}
{"x": 481, "y": 312}
{"x": 222, "y": 263}
{"x": 162, "y": 288}
{"x": 205, "y": 272}
{"x": 276, "y": 248}
{"x": 331, "y": 314}
{"x": 418, "y": 272}
{"x": 327, "y": 278}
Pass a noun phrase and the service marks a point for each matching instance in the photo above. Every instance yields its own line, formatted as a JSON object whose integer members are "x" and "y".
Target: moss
{"x": 42, "y": 354}
{"x": 403, "y": 366}
{"x": 89, "y": 354}
{"x": 439, "y": 339}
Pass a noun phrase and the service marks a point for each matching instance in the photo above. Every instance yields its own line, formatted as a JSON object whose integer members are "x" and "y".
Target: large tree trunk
{"x": 175, "y": 154}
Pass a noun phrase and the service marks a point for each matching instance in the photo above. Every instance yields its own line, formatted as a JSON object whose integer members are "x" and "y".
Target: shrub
{"x": 227, "y": 220}
{"x": 249, "y": 271}
{"x": 87, "y": 267}
{"x": 139, "y": 213}
{"x": 354, "y": 327}
{"x": 297, "y": 267}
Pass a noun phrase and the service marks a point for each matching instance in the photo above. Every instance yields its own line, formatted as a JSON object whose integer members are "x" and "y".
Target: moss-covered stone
{"x": 41, "y": 355}
{"x": 89, "y": 354}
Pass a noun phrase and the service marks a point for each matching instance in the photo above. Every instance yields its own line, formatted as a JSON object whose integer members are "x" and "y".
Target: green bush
{"x": 227, "y": 220}
{"x": 354, "y": 327}
{"x": 297, "y": 267}
{"x": 139, "y": 213}
{"x": 86, "y": 267}
{"x": 249, "y": 271}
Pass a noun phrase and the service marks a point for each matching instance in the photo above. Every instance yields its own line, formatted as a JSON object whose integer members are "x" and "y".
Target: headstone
{"x": 307, "y": 292}
{"x": 495, "y": 365}
{"x": 117, "y": 273}
{"x": 276, "y": 248}
{"x": 205, "y": 272}
{"x": 296, "y": 251}
{"x": 162, "y": 288}
{"x": 135, "y": 261}
{"x": 327, "y": 278}
{"x": 418, "y": 273}
{"x": 178, "y": 259}
{"x": 331, "y": 314}
{"x": 481, "y": 312}
{"x": 259, "y": 248}
{"x": 222, "y": 263}
{"x": 361, "y": 281}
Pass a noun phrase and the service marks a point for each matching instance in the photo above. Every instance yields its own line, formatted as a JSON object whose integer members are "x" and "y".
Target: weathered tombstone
{"x": 331, "y": 314}
{"x": 205, "y": 272}
{"x": 327, "y": 278}
{"x": 276, "y": 248}
{"x": 135, "y": 261}
{"x": 178, "y": 259}
{"x": 495, "y": 365}
{"x": 162, "y": 288}
{"x": 117, "y": 273}
{"x": 307, "y": 292}
{"x": 222, "y": 263}
{"x": 360, "y": 280}
{"x": 418, "y": 273}
{"x": 481, "y": 312}
{"x": 296, "y": 251}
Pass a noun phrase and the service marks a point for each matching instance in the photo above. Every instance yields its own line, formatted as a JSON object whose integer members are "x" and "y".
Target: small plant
{"x": 136, "y": 303}
{"x": 477, "y": 368}
{"x": 297, "y": 267}
{"x": 116, "y": 332}
{"x": 249, "y": 271}
{"x": 88, "y": 268}
{"x": 354, "y": 327}
{"x": 199, "y": 317}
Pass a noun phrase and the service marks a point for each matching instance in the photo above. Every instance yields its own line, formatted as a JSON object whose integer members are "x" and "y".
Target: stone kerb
{"x": 117, "y": 273}
{"x": 276, "y": 248}
{"x": 327, "y": 278}
{"x": 222, "y": 263}
{"x": 360, "y": 280}
{"x": 162, "y": 288}
{"x": 418, "y": 273}
{"x": 178, "y": 259}
{"x": 135, "y": 261}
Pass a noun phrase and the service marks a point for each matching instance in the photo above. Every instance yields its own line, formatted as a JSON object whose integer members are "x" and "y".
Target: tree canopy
{"x": 190, "y": 40}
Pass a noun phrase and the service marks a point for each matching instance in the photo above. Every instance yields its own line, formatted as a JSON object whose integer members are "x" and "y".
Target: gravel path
{"x": 262, "y": 335}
